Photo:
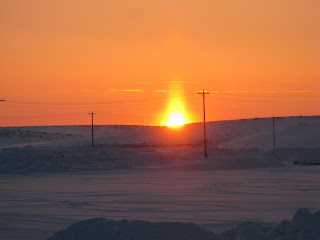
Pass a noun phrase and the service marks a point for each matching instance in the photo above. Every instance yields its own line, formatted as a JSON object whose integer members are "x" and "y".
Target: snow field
{"x": 51, "y": 177}
{"x": 35, "y": 206}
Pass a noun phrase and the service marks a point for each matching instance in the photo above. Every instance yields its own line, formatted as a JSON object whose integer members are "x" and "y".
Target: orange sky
{"x": 127, "y": 60}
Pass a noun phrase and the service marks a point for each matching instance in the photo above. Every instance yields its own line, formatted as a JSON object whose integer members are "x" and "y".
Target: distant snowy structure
{"x": 303, "y": 226}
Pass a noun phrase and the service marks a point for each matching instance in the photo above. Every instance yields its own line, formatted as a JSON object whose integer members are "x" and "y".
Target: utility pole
{"x": 274, "y": 133}
{"x": 92, "y": 128}
{"x": 204, "y": 123}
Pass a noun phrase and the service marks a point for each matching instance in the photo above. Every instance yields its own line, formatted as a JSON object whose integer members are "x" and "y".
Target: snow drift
{"x": 234, "y": 144}
{"x": 303, "y": 226}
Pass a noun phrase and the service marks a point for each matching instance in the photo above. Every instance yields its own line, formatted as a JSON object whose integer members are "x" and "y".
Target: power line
{"x": 255, "y": 95}
{"x": 100, "y": 103}
{"x": 127, "y": 103}
{"x": 40, "y": 116}
{"x": 114, "y": 104}
{"x": 132, "y": 102}
{"x": 266, "y": 101}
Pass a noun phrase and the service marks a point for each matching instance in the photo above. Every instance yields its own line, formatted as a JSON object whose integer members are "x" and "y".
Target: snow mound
{"x": 303, "y": 226}
{"x": 101, "y": 229}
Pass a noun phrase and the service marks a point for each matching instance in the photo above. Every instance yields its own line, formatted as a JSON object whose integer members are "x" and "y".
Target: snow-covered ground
{"x": 51, "y": 177}
{"x": 35, "y": 206}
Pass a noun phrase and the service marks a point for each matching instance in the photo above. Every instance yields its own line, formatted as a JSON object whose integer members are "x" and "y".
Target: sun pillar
{"x": 176, "y": 114}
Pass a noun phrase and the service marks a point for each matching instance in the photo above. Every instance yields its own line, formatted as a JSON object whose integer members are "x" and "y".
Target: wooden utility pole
{"x": 92, "y": 144}
{"x": 274, "y": 133}
{"x": 204, "y": 123}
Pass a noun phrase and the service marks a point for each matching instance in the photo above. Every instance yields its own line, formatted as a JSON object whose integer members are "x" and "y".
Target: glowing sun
{"x": 175, "y": 120}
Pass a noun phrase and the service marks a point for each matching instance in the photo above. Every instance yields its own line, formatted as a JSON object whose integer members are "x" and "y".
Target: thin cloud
{"x": 152, "y": 82}
{"x": 131, "y": 90}
{"x": 88, "y": 90}
{"x": 125, "y": 90}
{"x": 229, "y": 91}
{"x": 163, "y": 91}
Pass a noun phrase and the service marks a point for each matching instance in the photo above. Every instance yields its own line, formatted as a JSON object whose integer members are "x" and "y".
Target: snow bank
{"x": 303, "y": 226}
{"x": 32, "y": 159}
{"x": 10, "y": 137}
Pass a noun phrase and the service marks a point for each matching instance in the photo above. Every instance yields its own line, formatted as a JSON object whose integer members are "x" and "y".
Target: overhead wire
{"x": 133, "y": 102}
{"x": 136, "y": 102}
{"x": 99, "y": 103}
{"x": 128, "y": 102}
{"x": 298, "y": 95}
{"x": 265, "y": 101}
